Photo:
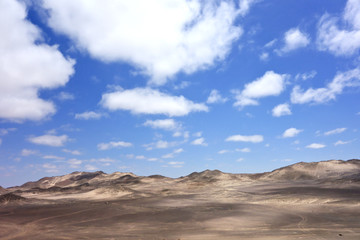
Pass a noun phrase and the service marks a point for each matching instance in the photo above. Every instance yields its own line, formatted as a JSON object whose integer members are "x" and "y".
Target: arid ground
{"x": 302, "y": 201}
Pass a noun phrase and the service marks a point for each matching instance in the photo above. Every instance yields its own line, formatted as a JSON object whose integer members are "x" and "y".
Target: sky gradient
{"x": 172, "y": 86}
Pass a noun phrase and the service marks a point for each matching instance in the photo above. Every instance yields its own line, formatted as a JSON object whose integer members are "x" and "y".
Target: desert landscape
{"x": 319, "y": 200}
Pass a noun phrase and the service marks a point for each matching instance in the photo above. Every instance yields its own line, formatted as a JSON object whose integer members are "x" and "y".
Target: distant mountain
{"x": 332, "y": 170}
{"x": 77, "y": 179}
{"x": 325, "y": 170}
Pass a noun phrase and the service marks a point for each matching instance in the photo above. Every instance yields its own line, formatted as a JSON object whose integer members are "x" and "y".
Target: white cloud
{"x": 342, "y": 142}
{"x": 316, "y": 146}
{"x": 49, "y": 166}
{"x": 197, "y": 134}
{"x": 215, "y": 97}
{"x": 50, "y": 140}
{"x": 182, "y": 85}
{"x": 173, "y": 154}
{"x": 244, "y": 150}
{"x": 28, "y": 65}
{"x": 305, "y": 76}
{"x": 175, "y": 163}
{"x": 264, "y": 56}
{"x": 349, "y": 78}
{"x": 74, "y": 163}
{"x": 340, "y": 38}
{"x": 199, "y": 141}
{"x": 281, "y": 110}
{"x": 64, "y": 96}
{"x": 223, "y": 151}
{"x": 270, "y": 84}
{"x": 90, "y": 167}
{"x": 73, "y": 152}
{"x": 140, "y": 157}
{"x": 335, "y": 131}
{"x": 242, "y": 138}
{"x": 53, "y": 157}
{"x": 109, "y": 145}
{"x": 28, "y": 152}
{"x": 271, "y": 43}
{"x": 244, "y": 6}
{"x": 161, "y": 144}
{"x": 150, "y": 101}
{"x": 159, "y": 38}
{"x": 291, "y": 132}
{"x": 166, "y": 124}
{"x": 88, "y": 115}
{"x": 293, "y": 40}
{"x": 240, "y": 159}
{"x": 5, "y": 131}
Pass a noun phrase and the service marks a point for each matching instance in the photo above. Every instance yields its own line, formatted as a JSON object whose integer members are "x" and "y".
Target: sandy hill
{"x": 324, "y": 170}
{"x": 77, "y": 179}
{"x": 2, "y": 190}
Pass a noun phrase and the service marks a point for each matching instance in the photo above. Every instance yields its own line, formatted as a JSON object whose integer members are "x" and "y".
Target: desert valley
{"x": 319, "y": 200}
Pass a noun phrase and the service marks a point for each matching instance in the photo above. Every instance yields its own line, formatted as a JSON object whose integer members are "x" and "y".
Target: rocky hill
{"x": 325, "y": 170}
{"x": 128, "y": 183}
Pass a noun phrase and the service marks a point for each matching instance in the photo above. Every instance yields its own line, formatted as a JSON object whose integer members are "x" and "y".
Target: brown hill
{"x": 78, "y": 179}
{"x": 324, "y": 170}
{"x": 10, "y": 197}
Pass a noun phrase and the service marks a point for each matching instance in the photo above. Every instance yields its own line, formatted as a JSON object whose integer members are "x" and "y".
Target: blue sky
{"x": 172, "y": 86}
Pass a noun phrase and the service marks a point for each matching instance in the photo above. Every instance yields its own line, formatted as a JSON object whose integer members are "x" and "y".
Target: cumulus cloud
{"x": 291, "y": 132}
{"x": 215, "y": 97}
{"x": 50, "y": 140}
{"x": 150, "y": 101}
{"x": 88, "y": 115}
{"x": 340, "y": 36}
{"x": 349, "y": 78}
{"x": 281, "y": 110}
{"x": 159, "y": 38}
{"x": 166, "y": 124}
{"x": 109, "y": 145}
{"x": 244, "y": 6}
{"x": 335, "y": 131}
{"x": 270, "y": 84}
{"x": 27, "y": 66}
{"x": 293, "y": 40}
{"x": 242, "y": 138}
{"x": 199, "y": 141}
{"x": 316, "y": 146}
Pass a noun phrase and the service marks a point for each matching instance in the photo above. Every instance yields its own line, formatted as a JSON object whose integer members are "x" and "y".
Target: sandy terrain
{"x": 207, "y": 205}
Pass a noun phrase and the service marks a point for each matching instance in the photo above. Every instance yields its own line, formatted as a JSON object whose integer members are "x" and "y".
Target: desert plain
{"x": 319, "y": 200}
